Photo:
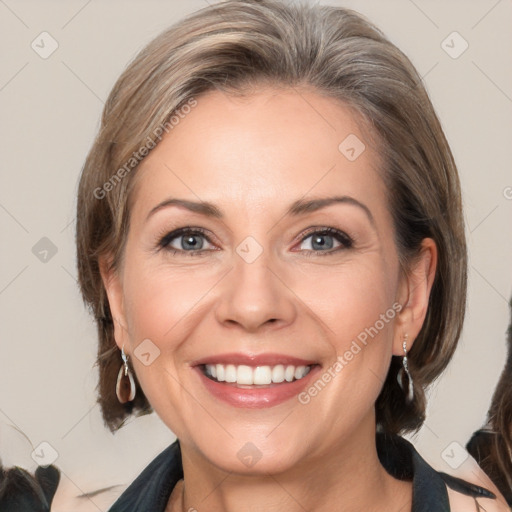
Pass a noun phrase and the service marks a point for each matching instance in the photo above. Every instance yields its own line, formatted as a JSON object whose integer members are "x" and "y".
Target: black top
{"x": 152, "y": 488}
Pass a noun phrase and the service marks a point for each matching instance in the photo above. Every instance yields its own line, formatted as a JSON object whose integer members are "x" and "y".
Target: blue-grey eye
{"x": 185, "y": 240}
{"x": 325, "y": 240}
{"x": 319, "y": 242}
{"x": 191, "y": 242}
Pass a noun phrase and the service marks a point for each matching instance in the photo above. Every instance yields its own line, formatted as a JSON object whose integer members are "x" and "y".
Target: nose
{"x": 255, "y": 297}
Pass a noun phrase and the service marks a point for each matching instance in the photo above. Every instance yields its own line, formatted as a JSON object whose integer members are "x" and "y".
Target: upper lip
{"x": 266, "y": 359}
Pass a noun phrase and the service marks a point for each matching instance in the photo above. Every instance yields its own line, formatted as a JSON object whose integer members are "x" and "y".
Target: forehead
{"x": 253, "y": 150}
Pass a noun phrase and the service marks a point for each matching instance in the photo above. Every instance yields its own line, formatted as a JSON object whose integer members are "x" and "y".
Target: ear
{"x": 113, "y": 286}
{"x": 414, "y": 293}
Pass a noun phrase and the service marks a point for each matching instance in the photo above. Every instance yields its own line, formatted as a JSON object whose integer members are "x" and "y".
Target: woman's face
{"x": 256, "y": 240}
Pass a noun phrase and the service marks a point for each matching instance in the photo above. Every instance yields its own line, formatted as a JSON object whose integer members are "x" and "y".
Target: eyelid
{"x": 324, "y": 229}
{"x": 165, "y": 238}
{"x": 342, "y": 237}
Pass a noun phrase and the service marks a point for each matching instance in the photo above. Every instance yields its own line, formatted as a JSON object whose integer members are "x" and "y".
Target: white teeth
{"x": 230, "y": 375}
{"x": 300, "y": 372}
{"x": 262, "y": 375}
{"x": 278, "y": 373}
{"x": 219, "y": 370}
{"x": 289, "y": 373}
{"x": 244, "y": 374}
{"x": 259, "y": 375}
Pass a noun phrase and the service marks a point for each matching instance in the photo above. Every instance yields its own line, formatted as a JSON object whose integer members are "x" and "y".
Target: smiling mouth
{"x": 254, "y": 376}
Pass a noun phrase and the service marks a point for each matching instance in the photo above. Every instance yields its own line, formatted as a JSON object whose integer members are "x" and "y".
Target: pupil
{"x": 191, "y": 242}
{"x": 322, "y": 241}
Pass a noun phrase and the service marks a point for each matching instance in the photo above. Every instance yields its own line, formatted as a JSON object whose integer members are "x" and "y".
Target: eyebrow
{"x": 298, "y": 207}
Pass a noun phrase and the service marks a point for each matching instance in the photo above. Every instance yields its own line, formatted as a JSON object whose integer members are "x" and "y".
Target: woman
{"x": 22, "y": 492}
{"x": 270, "y": 237}
{"x": 492, "y": 445}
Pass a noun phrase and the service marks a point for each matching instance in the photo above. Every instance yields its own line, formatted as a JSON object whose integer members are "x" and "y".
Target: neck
{"x": 347, "y": 478}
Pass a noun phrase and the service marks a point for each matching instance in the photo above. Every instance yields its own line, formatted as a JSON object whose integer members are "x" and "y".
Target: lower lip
{"x": 257, "y": 397}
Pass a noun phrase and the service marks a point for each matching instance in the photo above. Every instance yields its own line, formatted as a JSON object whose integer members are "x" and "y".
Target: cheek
{"x": 163, "y": 305}
{"x": 354, "y": 304}
{"x": 351, "y": 297}
{"x": 160, "y": 302}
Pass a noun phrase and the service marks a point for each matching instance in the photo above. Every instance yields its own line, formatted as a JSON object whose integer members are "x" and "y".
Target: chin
{"x": 255, "y": 454}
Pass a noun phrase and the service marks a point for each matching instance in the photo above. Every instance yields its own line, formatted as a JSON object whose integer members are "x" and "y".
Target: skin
{"x": 470, "y": 471}
{"x": 253, "y": 157}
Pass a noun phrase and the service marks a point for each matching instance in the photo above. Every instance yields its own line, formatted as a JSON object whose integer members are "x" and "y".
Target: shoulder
{"x": 463, "y": 503}
{"x": 91, "y": 497}
{"x": 473, "y": 474}
{"x": 148, "y": 491}
{"x": 469, "y": 490}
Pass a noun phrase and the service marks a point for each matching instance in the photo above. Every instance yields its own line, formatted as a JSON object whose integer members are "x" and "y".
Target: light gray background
{"x": 50, "y": 110}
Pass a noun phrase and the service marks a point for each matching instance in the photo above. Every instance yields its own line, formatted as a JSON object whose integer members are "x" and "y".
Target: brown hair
{"x": 236, "y": 46}
{"x": 492, "y": 447}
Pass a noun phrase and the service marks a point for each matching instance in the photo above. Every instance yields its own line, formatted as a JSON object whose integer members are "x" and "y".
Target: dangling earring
{"x": 125, "y": 386}
{"x": 400, "y": 376}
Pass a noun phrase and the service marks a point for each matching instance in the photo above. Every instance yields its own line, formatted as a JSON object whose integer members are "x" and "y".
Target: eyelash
{"x": 169, "y": 237}
{"x": 164, "y": 242}
{"x": 346, "y": 241}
